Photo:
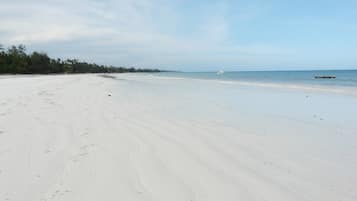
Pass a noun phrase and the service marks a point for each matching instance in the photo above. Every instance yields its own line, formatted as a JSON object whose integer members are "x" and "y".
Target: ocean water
{"x": 344, "y": 78}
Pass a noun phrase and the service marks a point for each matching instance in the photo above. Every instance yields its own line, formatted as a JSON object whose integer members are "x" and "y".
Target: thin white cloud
{"x": 124, "y": 32}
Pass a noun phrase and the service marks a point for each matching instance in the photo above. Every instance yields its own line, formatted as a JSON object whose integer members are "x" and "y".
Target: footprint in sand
{"x": 59, "y": 193}
{"x": 83, "y": 151}
{"x": 84, "y": 134}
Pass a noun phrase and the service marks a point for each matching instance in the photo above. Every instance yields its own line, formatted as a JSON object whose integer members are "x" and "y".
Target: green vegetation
{"x": 14, "y": 60}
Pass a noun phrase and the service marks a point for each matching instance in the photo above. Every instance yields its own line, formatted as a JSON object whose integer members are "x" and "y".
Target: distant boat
{"x": 325, "y": 77}
{"x": 220, "y": 72}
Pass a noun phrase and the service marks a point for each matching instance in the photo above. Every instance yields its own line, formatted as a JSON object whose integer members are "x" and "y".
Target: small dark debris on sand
{"x": 111, "y": 77}
{"x": 108, "y": 76}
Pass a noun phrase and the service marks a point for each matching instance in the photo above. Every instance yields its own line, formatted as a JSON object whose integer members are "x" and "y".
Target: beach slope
{"x": 140, "y": 137}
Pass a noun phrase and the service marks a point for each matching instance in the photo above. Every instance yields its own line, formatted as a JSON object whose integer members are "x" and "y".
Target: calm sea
{"x": 344, "y": 78}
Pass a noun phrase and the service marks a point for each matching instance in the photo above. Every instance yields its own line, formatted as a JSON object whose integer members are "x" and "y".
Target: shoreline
{"x": 347, "y": 90}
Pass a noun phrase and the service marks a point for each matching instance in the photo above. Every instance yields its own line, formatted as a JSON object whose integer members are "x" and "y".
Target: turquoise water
{"x": 344, "y": 78}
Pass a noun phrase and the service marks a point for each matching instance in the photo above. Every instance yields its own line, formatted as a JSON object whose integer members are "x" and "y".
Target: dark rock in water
{"x": 325, "y": 77}
{"x": 109, "y": 95}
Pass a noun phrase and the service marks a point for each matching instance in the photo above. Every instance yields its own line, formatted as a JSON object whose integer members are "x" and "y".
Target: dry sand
{"x": 63, "y": 138}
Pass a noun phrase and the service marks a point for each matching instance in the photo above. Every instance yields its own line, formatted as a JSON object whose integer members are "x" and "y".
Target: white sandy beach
{"x": 62, "y": 138}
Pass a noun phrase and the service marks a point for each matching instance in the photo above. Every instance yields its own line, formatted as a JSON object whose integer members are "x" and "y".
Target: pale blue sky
{"x": 188, "y": 35}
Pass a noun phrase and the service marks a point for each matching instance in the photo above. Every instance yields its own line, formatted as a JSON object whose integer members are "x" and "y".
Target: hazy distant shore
{"x": 143, "y": 137}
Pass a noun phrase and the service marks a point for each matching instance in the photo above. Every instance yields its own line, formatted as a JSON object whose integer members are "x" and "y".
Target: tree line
{"x": 15, "y": 60}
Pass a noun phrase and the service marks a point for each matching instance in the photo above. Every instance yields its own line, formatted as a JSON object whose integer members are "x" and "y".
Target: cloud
{"x": 34, "y": 21}
{"x": 124, "y": 32}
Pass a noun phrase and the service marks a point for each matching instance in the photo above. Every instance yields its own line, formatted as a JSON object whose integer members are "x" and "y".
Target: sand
{"x": 141, "y": 137}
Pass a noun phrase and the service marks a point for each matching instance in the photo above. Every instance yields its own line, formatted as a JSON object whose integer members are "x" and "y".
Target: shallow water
{"x": 344, "y": 78}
